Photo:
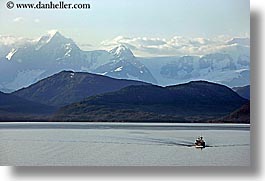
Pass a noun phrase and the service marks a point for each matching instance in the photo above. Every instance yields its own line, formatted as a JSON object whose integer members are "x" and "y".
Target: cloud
{"x": 13, "y": 40}
{"x": 7, "y": 40}
{"x": 18, "y": 19}
{"x": 175, "y": 46}
{"x": 36, "y": 20}
{"x": 140, "y": 41}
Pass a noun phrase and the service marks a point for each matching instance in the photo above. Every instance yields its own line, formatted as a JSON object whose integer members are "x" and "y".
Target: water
{"x": 123, "y": 144}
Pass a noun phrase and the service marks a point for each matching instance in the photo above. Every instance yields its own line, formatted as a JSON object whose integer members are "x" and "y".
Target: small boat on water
{"x": 199, "y": 143}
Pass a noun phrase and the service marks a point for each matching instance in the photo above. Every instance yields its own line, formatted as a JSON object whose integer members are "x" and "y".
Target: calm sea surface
{"x": 123, "y": 144}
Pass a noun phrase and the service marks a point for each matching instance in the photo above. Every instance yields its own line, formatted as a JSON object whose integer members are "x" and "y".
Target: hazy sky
{"x": 108, "y": 19}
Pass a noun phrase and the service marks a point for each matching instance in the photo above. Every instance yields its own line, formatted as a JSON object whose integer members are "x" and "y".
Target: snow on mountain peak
{"x": 52, "y": 32}
{"x": 122, "y": 52}
{"x": 47, "y": 38}
{"x": 55, "y": 37}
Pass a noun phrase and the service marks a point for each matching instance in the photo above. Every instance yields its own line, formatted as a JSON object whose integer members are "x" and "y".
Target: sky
{"x": 151, "y": 19}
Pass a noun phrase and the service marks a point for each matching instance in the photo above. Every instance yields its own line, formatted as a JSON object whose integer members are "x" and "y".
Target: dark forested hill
{"x": 191, "y": 102}
{"x": 15, "y": 108}
{"x": 68, "y": 87}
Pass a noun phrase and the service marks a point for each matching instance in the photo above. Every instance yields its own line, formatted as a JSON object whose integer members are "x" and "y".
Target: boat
{"x": 199, "y": 143}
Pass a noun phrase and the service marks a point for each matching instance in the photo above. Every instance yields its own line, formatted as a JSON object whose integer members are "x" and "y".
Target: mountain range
{"x": 68, "y": 87}
{"x": 22, "y": 65}
{"x": 79, "y": 96}
{"x": 191, "y": 102}
{"x": 53, "y": 53}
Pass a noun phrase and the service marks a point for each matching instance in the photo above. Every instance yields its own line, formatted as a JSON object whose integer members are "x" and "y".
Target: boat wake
{"x": 130, "y": 141}
{"x": 210, "y": 146}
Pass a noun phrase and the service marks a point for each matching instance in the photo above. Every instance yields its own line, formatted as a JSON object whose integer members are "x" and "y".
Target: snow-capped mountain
{"x": 125, "y": 65}
{"x": 229, "y": 65}
{"x": 218, "y": 67}
{"x": 53, "y": 53}
{"x": 122, "y": 52}
{"x": 22, "y": 64}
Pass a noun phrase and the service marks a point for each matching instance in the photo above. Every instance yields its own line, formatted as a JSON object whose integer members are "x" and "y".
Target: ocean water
{"x": 123, "y": 144}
